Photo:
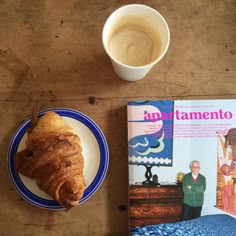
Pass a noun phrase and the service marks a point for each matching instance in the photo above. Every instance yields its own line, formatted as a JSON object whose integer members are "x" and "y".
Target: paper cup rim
{"x": 146, "y": 65}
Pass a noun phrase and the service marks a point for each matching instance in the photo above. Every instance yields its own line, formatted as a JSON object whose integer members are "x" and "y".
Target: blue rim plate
{"x": 95, "y": 152}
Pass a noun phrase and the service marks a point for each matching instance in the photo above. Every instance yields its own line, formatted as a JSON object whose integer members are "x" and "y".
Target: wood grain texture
{"x": 154, "y": 205}
{"x": 51, "y": 55}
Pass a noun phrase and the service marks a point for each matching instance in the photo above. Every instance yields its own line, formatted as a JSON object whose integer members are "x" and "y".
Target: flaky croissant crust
{"x": 53, "y": 157}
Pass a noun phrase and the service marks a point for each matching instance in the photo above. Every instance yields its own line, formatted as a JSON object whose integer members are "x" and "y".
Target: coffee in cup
{"x": 135, "y": 37}
{"x": 134, "y": 42}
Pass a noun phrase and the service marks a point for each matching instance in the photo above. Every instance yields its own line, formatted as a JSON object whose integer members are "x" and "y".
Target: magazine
{"x": 163, "y": 137}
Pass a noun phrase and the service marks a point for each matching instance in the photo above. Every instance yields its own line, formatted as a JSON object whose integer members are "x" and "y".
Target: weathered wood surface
{"x": 51, "y": 55}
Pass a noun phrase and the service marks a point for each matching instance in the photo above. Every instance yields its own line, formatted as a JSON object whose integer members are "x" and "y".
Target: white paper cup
{"x": 156, "y": 35}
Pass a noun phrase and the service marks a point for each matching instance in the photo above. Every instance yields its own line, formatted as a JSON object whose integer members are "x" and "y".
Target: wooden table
{"x": 51, "y": 55}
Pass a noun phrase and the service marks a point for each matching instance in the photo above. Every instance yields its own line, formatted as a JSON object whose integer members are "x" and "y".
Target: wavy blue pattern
{"x": 209, "y": 225}
{"x": 156, "y": 145}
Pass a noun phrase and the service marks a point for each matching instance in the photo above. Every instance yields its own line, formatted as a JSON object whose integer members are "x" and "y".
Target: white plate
{"x": 95, "y": 152}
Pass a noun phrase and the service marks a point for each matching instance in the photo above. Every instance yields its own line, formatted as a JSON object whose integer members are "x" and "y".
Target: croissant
{"x": 53, "y": 157}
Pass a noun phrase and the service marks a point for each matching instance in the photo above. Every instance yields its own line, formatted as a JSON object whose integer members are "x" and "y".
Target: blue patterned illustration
{"x": 208, "y": 225}
{"x": 153, "y": 144}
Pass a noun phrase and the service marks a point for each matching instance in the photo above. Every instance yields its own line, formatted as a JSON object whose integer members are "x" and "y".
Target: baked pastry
{"x": 53, "y": 157}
